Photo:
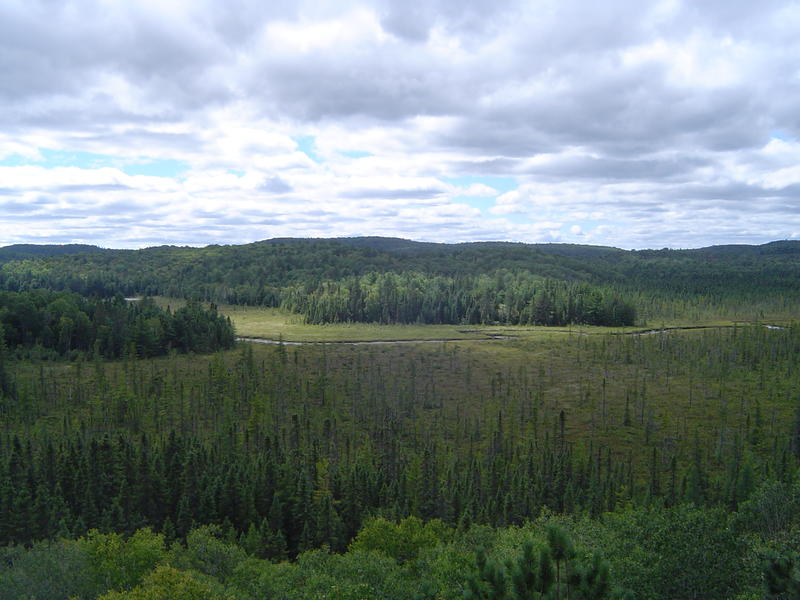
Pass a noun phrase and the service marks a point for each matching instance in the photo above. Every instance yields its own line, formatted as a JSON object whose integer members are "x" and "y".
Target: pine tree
{"x": 795, "y": 434}
{"x": 489, "y": 582}
{"x": 592, "y": 579}
{"x": 252, "y": 541}
{"x": 781, "y": 578}
{"x": 655, "y": 477}
{"x": 562, "y": 552}
{"x": 532, "y": 574}
{"x": 6, "y": 385}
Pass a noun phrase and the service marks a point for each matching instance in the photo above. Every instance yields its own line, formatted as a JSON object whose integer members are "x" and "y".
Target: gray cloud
{"x": 14, "y": 207}
{"x": 621, "y": 108}
{"x": 410, "y": 194}
{"x": 275, "y": 185}
{"x": 82, "y": 187}
{"x": 609, "y": 169}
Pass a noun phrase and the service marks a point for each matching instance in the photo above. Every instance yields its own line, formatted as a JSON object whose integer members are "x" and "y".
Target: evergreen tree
{"x": 489, "y": 582}
{"x": 782, "y": 577}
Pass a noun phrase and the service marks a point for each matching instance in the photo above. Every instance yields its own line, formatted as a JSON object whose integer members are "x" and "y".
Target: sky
{"x": 633, "y": 124}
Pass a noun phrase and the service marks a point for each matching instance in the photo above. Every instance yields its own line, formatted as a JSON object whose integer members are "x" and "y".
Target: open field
{"x": 276, "y": 324}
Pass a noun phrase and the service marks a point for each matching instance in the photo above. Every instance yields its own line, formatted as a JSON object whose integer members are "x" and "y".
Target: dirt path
{"x": 488, "y": 337}
{"x": 691, "y": 327}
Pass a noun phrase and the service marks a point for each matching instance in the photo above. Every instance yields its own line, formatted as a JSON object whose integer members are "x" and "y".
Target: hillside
{"x": 327, "y": 467}
{"x": 341, "y": 271}
{"x": 24, "y": 251}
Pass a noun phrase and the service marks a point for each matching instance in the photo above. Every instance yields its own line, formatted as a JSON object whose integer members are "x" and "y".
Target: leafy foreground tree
{"x": 554, "y": 570}
{"x": 551, "y": 558}
{"x": 168, "y": 583}
{"x": 782, "y": 577}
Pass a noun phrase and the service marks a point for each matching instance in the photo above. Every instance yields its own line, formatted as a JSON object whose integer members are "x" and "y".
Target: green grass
{"x": 272, "y": 323}
{"x": 275, "y": 324}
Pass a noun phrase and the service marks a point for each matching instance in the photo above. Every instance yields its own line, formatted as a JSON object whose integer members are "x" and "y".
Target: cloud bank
{"x": 627, "y": 124}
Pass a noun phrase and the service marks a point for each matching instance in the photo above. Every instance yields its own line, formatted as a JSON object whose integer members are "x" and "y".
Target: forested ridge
{"x": 26, "y": 251}
{"x": 271, "y": 273}
{"x": 143, "y": 456}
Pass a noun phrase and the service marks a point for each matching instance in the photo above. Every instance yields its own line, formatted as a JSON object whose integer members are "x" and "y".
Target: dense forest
{"x": 289, "y": 449}
{"x": 143, "y": 456}
{"x": 315, "y": 439}
{"x": 270, "y": 273}
{"x": 502, "y": 298}
{"x": 47, "y": 323}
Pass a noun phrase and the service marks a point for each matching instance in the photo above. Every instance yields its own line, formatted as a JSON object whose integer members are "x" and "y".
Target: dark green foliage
{"x": 500, "y": 297}
{"x": 6, "y": 382}
{"x": 207, "y": 551}
{"x": 591, "y": 579}
{"x": 254, "y": 273}
{"x": 64, "y": 324}
{"x": 681, "y": 553}
{"x": 517, "y": 564}
{"x": 533, "y": 573}
{"x": 562, "y": 553}
{"x": 418, "y": 454}
{"x": 795, "y": 433}
{"x": 659, "y": 284}
{"x": 772, "y": 509}
{"x": 555, "y": 571}
{"x": 782, "y": 577}
{"x": 26, "y": 251}
{"x": 293, "y": 447}
{"x": 489, "y": 582}
{"x": 46, "y": 571}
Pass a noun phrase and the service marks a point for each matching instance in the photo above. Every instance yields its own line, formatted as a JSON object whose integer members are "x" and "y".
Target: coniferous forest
{"x": 145, "y": 455}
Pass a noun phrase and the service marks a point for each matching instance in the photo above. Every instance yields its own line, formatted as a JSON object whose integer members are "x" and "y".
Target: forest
{"x": 270, "y": 273}
{"x": 144, "y": 455}
{"x": 502, "y": 298}
{"x": 66, "y": 325}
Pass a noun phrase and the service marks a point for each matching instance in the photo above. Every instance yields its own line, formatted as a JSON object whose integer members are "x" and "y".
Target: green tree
{"x": 782, "y": 577}
{"x": 402, "y": 541}
{"x": 168, "y": 583}
{"x": 489, "y": 582}
{"x": 120, "y": 564}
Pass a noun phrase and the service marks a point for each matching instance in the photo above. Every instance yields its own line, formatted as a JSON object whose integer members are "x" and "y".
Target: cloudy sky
{"x": 633, "y": 124}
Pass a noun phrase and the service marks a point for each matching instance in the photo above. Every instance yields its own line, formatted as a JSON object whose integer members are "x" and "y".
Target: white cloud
{"x": 655, "y": 124}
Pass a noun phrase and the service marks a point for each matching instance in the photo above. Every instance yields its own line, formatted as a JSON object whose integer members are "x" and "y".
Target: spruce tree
{"x": 781, "y": 578}
{"x": 562, "y": 552}
{"x": 489, "y": 582}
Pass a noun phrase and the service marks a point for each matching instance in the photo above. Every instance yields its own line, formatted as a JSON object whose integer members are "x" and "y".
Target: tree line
{"x": 47, "y": 323}
{"x": 498, "y": 298}
{"x": 644, "y": 553}
{"x": 263, "y": 274}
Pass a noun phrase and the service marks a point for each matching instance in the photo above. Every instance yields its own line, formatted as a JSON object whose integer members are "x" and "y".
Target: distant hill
{"x": 24, "y": 251}
{"x": 731, "y": 251}
{"x": 262, "y": 272}
{"x": 385, "y": 244}
{"x": 400, "y": 245}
